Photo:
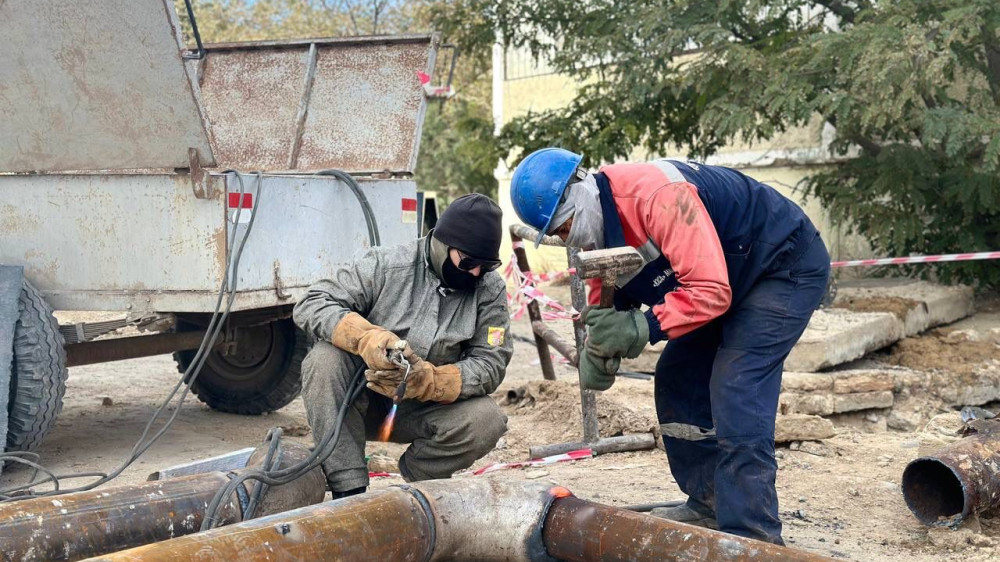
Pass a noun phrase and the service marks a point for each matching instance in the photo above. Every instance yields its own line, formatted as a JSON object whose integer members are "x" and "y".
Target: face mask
{"x": 587, "y": 231}
{"x": 455, "y": 278}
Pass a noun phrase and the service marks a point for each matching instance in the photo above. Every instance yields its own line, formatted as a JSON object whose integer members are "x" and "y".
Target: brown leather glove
{"x": 427, "y": 383}
{"x": 356, "y": 335}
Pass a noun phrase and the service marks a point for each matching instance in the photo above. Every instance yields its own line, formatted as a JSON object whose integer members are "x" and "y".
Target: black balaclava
{"x": 472, "y": 225}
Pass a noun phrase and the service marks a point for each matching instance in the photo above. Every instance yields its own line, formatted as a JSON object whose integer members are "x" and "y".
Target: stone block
{"x": 862, "y": 401}
{"x": 847, "y": 382}
{"x": 806, "y": 382}
{"x": 799, "y": 427}
{"x": 797, "y": 403}
{"x": 837, "y": 336}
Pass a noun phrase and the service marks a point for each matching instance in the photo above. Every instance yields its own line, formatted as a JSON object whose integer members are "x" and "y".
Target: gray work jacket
{"x": 395, "y": 287}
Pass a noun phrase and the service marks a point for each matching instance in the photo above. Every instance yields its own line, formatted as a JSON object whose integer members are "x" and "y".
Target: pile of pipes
{"x": 462, "y": 519}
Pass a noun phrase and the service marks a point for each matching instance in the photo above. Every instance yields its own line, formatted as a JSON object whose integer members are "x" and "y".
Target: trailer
{"x": 126, "y": 186}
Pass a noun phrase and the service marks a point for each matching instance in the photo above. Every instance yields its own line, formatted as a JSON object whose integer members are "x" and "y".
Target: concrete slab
{"x": 920, "y": 305}
{"x": 836, "y": 336}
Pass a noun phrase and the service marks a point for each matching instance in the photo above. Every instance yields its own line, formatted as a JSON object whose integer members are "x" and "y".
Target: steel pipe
{"x": 84, "y": 524}
{"x": 534, "y": 312}
{"x": 478, "y": 519}
{"x": 961, "y": 480}
{"x": 528, "y": 233}
{"x": 578, "y": 530}
{"x": 117, "y": 349}
{"x": 551, "y": 337}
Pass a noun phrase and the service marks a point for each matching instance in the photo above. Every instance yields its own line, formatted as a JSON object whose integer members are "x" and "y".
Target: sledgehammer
{"x": 608, "y": 265}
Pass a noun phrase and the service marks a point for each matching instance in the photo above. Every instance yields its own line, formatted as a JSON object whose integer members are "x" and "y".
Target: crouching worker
{"x": 442, "y": 296}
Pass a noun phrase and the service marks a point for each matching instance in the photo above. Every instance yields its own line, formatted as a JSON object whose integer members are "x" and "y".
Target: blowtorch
{"x": 396, "y": 356}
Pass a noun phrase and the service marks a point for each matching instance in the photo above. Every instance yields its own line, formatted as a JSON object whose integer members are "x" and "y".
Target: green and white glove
{"x": 615, "y": 334}
{"x": 597, "y": 373}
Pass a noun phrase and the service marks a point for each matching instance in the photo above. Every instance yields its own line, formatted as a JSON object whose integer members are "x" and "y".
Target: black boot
{"x": 348, "y": 493}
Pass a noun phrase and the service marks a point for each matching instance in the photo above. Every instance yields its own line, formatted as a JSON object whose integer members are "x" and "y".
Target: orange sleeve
{"x": 677, "y": 221}
{"x": 594, "y": 294}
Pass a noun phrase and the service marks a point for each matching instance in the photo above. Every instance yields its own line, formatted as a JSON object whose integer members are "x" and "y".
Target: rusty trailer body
{"x": 114, "y": 196}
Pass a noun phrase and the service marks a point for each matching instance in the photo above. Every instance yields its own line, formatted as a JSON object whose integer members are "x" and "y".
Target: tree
{"x": 911, "y": 86}
{"x": 458, "y": 151}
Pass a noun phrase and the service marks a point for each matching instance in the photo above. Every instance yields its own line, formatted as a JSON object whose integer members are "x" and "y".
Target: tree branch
{"x": 992, "y": 46}
{"x": 845, "y": 12}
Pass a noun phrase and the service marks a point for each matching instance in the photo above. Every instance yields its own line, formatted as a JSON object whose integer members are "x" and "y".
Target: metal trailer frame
{"x": 114, "y": 149}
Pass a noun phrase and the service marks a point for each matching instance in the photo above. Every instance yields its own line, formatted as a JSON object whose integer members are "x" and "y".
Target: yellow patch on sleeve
{"x": 495, "y": 335}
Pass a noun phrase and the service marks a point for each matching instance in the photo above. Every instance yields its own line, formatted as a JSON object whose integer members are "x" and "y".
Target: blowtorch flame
{"x": 386, "y": 431}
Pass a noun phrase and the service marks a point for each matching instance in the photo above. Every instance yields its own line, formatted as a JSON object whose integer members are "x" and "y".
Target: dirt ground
{"x": 840, "y": 497}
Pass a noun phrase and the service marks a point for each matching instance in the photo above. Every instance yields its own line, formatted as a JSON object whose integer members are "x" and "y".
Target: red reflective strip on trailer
{"x": 234, "y": 200}
{"x": 409, "y": 204}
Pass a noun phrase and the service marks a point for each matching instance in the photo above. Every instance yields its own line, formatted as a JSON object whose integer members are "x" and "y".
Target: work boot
{"x": 685, "y": 514}
{"x": 348, "y": 493}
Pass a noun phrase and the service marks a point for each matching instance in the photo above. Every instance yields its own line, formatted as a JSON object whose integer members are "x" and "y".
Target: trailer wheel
{"x": 38, "y": 377}
{"x": 262, "y": 374}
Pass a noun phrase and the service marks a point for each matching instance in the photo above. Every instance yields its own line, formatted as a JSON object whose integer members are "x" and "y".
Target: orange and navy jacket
{"x": 706, "y": 234}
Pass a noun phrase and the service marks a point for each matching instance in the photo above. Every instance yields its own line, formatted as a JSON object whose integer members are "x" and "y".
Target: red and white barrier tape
{"x": 565, "y": 457}
{"x": 920, "y": 259}
{"x": 526, "y": 292}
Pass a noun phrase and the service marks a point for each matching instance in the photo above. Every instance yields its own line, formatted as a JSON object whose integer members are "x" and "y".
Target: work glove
{"x": 427, "y": 383}
{"x": 356, "y": 335}
{"x": 597, "y": 373}
{"x": 613, "y": 333}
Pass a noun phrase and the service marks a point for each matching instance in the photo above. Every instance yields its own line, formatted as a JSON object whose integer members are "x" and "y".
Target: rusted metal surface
{"x": 588, "y": 398}
{"x": 577, "y": 530}
{"x": 352, "y": 104}
{"x": 960, "y": 480}
{"x": 430, "y": 521}
{"x": 84, "y": 524}
{"x": 534, "y": 313}
{"x": 117, "y": 349}
{"x": 463, "y": 520}
{"x": 551, "y": 337}
{"x": 528, "y": 233}
{"x": 617, "y": 444}
{"x": 386, "y": 525}
{"x": 95, "y": 86}
{"x": 606, "y": 263}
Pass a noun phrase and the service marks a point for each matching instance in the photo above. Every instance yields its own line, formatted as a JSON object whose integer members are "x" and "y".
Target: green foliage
{"x": 911, "y": 86}
{"x": 458, "y": 150}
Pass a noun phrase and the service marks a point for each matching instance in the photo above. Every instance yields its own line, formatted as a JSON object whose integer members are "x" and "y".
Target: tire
{"x": 38, "y": 377}
{"x": 263, "y": 374}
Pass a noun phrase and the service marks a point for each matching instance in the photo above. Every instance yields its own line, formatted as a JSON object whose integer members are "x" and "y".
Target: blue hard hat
{"x": 538, "y": 185}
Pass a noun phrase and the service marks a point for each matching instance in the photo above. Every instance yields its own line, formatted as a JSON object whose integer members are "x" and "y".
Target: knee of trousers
{"x": 326, "y": 364}
{"x": 476, "y": 428}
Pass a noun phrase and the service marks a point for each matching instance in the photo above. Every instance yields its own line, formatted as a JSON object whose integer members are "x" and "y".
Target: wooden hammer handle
{"x": 607, "y": 293}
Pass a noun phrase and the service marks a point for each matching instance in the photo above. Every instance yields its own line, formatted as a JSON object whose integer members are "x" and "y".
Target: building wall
{"x": 522, "y": 86}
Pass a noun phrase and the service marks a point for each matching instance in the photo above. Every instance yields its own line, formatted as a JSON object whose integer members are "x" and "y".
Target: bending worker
{"x": 733, "y": 271}
{"x": 439, "y": 294}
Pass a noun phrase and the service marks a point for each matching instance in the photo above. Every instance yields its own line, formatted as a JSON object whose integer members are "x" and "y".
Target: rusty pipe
{"x": 960, "y": 480}
{"x": 578, "y": 530}
{"x": 117, "y": 349}
{"x": 84, "y": 524}
{"x": 479, "y": 519}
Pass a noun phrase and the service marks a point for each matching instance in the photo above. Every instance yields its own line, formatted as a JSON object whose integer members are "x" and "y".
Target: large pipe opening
{"x": 933, "y": 492}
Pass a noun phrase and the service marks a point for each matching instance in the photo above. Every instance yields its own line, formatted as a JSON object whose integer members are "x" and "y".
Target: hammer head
{"x": 608, "y": 263}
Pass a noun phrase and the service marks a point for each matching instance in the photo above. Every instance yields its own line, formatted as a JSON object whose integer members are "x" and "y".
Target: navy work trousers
{"x": 717, "y": 396}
